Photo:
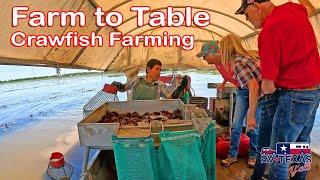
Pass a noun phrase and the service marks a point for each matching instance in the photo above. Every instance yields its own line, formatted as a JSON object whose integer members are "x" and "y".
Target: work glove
{"x": 119, "y": 85}
{"x": 183, "y": 84}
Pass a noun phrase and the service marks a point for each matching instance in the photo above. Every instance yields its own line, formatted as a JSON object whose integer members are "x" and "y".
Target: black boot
{"x": 184, "y": 83}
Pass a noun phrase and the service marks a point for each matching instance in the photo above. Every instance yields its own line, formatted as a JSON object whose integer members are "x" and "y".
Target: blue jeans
{"x": 292, "y": 122}
{"x": 268, "y": 105}
{"x": 241, "y": 108}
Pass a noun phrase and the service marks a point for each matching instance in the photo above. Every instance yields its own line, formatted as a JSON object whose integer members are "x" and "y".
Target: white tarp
{"x": 222, "y": 22}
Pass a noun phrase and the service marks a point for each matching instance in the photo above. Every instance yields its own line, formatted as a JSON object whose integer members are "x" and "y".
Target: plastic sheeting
{"x": 222, "y": 22}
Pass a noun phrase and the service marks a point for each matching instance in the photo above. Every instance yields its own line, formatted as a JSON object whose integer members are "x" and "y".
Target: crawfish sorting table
{"x": 133, "y": 119}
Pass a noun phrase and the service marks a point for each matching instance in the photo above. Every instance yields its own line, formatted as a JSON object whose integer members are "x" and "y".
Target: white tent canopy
{"x": 222, "y": 22}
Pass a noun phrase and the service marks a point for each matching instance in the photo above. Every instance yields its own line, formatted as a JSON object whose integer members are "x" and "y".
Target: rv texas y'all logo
{"x": 294, "y": 153}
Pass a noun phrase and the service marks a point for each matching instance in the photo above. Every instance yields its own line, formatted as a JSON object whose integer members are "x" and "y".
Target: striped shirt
{"x": 246, "y": 68}
{"x": 162, "y": 89}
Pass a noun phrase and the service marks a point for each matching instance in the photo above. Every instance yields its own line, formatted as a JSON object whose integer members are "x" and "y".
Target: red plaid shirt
{"x": 246, "y": 68}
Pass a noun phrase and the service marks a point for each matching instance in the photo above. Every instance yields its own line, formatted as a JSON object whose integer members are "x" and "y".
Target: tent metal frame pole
{"x": 203, "y": 40}
{"x": 212, "y": 24}
{"x": 189, "y": 27}
{"x": 250, "y": 35}
{"x": 179, "y": 55}
{"x": 197, "y": 40}
{"x": 129, "y": 55}
{"x": 93, "y": 3}
{"x": 148, "y": 54}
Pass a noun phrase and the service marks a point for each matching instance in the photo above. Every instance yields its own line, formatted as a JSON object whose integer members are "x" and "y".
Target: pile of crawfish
{"x": 133, "y": 118}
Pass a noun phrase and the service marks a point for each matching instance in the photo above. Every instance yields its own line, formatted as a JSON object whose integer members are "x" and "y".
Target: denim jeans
{"x": 292, "y": 122}
{"x": 241, "y": 108}
{"x": 268, "y": 105}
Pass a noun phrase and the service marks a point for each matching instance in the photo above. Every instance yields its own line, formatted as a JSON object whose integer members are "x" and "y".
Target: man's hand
{"x": 120, "y": 86}
{"x": 184, "y": 83}
{"x": 252, "y": 122}
{"x": 253, "y": 87}
{"x": 220, "y": 87}
{"x": 268, "y": 86}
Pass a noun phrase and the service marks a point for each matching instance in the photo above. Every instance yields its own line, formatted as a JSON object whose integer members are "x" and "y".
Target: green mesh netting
{"x": 208, "y": 151}
{"x": 179, "y": 156}
{"x": 135, "y": 158}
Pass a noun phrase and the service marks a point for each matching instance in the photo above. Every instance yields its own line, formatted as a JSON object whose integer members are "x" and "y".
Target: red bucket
{"x": 110, "y": 89}
{"x": 56, "y": 160}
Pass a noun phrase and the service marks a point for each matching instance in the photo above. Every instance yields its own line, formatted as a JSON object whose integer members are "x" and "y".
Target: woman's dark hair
{"x": 152, "y": 62}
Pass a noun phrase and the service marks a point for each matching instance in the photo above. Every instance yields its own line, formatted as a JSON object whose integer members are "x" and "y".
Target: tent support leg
{"x": 85, "y": 160}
